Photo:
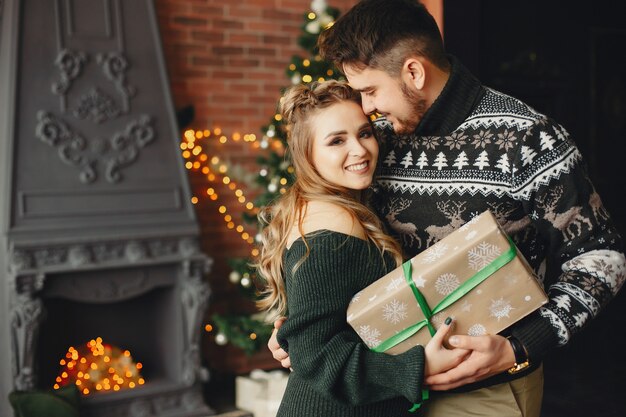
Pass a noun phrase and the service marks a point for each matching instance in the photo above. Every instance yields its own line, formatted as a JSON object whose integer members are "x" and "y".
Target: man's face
{"x": 401, "y": 103}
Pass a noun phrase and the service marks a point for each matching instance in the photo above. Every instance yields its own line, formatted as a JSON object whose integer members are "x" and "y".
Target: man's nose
{"x": 367, "y": 104}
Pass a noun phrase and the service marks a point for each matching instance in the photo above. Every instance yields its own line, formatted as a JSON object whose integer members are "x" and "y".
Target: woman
{"x": 321, "y": 246}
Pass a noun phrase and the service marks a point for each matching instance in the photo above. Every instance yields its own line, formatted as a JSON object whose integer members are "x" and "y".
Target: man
{"x": 453, "y": 148}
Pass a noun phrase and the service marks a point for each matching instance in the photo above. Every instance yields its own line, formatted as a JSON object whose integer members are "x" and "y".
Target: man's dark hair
{"x": 382, "y": 34}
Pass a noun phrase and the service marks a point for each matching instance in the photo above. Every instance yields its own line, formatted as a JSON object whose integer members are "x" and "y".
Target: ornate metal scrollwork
{"x": 26, "y": 314}
{"x": 195, "y": 294}
{"x": 137, "y": 135}
{"x": 114, "y": 66}
{"x": 119, "y": 151}
{"x": 71, "y": 146}
{"x": 70, "y": 64}
{"x": 97, "y": 106}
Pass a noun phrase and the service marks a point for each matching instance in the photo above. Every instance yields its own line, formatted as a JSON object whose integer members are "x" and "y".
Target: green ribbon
{"x": 448, "y": 300}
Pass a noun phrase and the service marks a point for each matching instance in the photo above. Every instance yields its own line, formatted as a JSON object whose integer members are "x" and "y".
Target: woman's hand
{"x": 439, "y": 358}
{"x": 277, "y": 352}
{"x": 490, "y": 355}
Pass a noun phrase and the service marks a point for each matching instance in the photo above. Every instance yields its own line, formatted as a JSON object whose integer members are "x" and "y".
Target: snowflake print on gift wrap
{"x": 477, "y": 330}
{"x": 369, "y": 335}
{"x": 434, "y": 253}
{"x": 500, "y": 308}
{"x": 471, "y": 235}
{"x": 473, "y": 220}
{"x": 395, "y": 284}
{"x": 511, "y": 279}
{"x": 356, "y": 297}
{"x": 446, "y": 283}
{"x": 395, "y": 312}
{"x": 482, "y": 255}
{"x": 419, "y": 281}
{"x": 438, "y": 319}
{"x": 466, "y": 306}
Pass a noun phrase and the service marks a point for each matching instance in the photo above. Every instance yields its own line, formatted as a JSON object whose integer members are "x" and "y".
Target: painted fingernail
{"x": 448, "y": 321}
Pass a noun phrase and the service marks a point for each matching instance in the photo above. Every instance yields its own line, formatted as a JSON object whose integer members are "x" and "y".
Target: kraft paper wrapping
{"x": 388, "y": 308}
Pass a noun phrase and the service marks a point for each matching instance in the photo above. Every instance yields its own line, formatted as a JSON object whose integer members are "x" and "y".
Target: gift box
{"x": 261, "y": 392}
{"x": 474, "y": 275}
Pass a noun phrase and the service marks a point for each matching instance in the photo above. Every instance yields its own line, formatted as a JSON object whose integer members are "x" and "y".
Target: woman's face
{"x": 344, "y": 148}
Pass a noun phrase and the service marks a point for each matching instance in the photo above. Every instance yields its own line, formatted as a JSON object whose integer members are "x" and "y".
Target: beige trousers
{"x": 519, "y": 398}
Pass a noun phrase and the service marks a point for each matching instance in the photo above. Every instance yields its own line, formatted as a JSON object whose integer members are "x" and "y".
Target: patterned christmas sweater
{"x": 477, "y": 149}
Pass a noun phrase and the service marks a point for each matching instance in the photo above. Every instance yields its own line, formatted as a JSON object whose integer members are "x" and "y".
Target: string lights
{"x": 99, "y": 367}
{"x": 216, "y": 170}
{"x": 274, "y": 176}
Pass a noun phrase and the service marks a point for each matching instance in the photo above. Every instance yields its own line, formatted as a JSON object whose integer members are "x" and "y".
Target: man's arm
{"x": 558, "y": 196}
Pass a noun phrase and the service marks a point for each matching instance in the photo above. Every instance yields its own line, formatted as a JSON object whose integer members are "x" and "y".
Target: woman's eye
{"x": 336, "y": 141}
{"x": 366, "y": 134}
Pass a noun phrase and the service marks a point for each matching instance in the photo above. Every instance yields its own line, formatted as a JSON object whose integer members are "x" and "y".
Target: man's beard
{"x": 417, "y": 103}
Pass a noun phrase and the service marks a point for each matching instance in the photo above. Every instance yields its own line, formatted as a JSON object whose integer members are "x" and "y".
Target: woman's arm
{"x": 324, "y": 350}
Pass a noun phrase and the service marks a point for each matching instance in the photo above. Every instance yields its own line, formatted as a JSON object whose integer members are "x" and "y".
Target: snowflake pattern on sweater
{"x": 506, "y": 157}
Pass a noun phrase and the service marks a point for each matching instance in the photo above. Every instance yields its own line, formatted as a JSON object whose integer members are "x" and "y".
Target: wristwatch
{"x": 521, "y": 356}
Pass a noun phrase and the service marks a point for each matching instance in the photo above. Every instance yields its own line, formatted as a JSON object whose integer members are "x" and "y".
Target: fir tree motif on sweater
{"x": 505, "y": 156}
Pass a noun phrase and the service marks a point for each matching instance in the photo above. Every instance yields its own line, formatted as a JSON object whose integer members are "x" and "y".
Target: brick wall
{"x": 228, "y": 58}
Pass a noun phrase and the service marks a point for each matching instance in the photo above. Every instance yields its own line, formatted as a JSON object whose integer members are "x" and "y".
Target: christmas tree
{"x": 250, "y": 332}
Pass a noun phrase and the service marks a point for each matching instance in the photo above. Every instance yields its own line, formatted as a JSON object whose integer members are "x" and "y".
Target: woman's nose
{"x": 356, "y": 148}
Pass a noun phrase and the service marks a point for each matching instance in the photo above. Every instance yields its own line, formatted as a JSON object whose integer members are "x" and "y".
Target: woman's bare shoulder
{"x": 322, "y": 215}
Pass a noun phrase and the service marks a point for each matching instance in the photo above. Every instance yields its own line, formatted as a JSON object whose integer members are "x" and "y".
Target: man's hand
{"x": 490, "y": 355}
{"x": 277, "y": 352}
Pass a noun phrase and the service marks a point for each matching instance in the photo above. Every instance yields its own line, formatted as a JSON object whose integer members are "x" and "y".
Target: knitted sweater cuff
{"x": 537, "y": 335}
{"x": 413, "y": 365}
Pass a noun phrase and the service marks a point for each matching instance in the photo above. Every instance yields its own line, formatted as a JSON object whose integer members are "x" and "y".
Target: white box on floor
{"x": 261, "y": 392}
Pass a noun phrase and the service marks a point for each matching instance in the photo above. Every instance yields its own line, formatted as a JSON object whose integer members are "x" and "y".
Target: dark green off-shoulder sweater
{"x": 334, "y": 373}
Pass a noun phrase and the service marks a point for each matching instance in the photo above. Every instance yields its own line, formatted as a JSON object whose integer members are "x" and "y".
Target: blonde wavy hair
{"x": 297, "y": 106}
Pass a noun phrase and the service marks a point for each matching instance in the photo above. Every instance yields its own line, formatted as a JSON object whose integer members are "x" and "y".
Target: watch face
{"x": 519, "y": 367}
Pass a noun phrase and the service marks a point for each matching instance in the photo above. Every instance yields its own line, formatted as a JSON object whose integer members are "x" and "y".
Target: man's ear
{"x": 414, "y": 72}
